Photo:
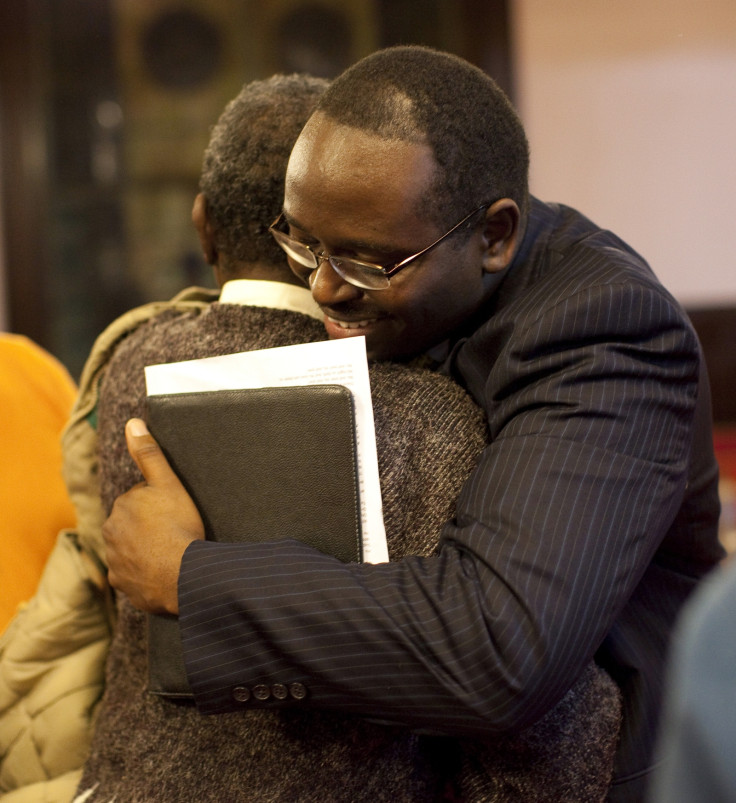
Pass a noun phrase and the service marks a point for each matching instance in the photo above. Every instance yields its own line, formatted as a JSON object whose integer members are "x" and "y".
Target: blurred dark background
{"x": 105, "y": 109}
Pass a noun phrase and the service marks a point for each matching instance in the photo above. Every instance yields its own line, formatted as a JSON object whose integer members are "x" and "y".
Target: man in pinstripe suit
{"x": 592, "y": 514}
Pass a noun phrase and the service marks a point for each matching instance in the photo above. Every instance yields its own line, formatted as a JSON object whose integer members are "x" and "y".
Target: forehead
{"x": 346, "y": 174}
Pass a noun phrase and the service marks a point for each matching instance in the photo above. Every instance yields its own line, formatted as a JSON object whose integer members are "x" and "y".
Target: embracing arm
{"x": 554, "y": 530}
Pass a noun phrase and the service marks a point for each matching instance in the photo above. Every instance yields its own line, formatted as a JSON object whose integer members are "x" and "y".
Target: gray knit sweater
{"x": 146, "y": 749}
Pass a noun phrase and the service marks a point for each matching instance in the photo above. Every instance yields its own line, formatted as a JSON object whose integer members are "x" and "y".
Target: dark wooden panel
{"x": 24, "y": 161}
{"x": 477, "y": 30}
{"x": 716, "y": 328}
{"x": 75, "y": 254}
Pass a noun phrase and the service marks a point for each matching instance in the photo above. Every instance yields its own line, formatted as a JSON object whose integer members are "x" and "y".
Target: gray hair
{"x": 245, "y": 163}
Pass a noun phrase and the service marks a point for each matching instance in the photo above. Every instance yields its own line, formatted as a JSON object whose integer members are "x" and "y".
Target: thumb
{"x": 147, "y": 454}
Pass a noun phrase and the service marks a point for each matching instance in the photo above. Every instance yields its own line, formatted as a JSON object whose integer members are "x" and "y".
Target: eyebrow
{"x": 355, "y": 245}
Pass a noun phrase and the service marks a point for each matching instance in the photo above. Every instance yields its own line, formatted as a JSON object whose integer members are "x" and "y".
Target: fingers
{"x": 142, "y": 565}
{"x": 147, "y": 454}
{"x": 150, "y": 527}
{"x": 146, "y": 534}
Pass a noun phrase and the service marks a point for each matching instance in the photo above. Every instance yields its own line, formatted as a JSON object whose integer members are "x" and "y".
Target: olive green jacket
{"x": 52, "y": 654}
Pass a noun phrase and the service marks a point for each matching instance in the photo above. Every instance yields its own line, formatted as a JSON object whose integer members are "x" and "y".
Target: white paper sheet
{"x": 340, "y": 362}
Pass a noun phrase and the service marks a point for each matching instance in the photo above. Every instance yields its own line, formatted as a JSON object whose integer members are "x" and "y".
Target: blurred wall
{"x": 630, "y": 107}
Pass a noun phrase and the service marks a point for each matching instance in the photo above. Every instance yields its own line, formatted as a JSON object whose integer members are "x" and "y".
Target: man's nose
{"x": 329, "y": 288}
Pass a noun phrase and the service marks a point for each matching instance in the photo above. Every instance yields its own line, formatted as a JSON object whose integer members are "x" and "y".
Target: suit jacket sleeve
{"x": 590, "y": 405}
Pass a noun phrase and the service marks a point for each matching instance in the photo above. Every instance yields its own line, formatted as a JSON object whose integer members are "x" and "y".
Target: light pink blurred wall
{"x": 630, "y": 107}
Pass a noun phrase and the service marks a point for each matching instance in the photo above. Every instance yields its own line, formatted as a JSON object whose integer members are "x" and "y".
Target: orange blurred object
{"x": 36, "y": 397}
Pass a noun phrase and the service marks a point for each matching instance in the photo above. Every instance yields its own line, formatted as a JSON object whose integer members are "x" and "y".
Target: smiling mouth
{"x": 351, "y": 324}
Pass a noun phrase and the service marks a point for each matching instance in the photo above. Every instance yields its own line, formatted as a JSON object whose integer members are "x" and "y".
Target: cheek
{"x": 417, "y": 323}
{"x": 425, "y": 310}
{"x": 432, "y": 317}
{"x": 414, "y": 296}
{"x": 428, "y": 309}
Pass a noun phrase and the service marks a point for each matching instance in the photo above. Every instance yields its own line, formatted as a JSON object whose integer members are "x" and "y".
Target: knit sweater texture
{"x": 145, "y": 748}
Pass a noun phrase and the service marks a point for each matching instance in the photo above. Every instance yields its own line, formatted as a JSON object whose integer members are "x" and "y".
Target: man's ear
{"x": 205, "y": 229}
{"x": 501, "y": 232}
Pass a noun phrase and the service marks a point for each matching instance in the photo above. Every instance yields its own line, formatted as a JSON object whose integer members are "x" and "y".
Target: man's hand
{"x": 149, "y": 528}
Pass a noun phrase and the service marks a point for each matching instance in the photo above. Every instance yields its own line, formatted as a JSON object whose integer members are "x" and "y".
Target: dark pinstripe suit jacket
{"x": 590, "y": 518}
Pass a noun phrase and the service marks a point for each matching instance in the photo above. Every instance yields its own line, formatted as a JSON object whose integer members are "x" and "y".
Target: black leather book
{"x": 260, "y": 464}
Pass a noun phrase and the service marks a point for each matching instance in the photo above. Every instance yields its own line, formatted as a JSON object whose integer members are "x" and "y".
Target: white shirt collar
{"x": 276, "y": 295}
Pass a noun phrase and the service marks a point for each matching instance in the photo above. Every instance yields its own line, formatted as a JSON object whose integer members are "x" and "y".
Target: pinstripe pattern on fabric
{"x": 589, "y": 519}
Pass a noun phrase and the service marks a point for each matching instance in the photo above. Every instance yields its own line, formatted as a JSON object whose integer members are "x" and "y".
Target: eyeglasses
{"x": 365, "y": 275}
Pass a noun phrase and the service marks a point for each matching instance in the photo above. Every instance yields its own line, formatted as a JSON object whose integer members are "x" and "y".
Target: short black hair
{"x": 418, "y": 94}
{"x": 244, "y": 165}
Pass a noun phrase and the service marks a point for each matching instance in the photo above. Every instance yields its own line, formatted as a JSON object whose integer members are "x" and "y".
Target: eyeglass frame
{"x": 283, "y": 239}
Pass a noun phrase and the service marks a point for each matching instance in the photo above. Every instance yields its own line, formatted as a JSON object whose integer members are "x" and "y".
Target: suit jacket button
{"x": 261, "y": 692}
{"x": 279, "y": 691}
{"x": 298, "y": 690}
{"x": 241, "y": 694}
